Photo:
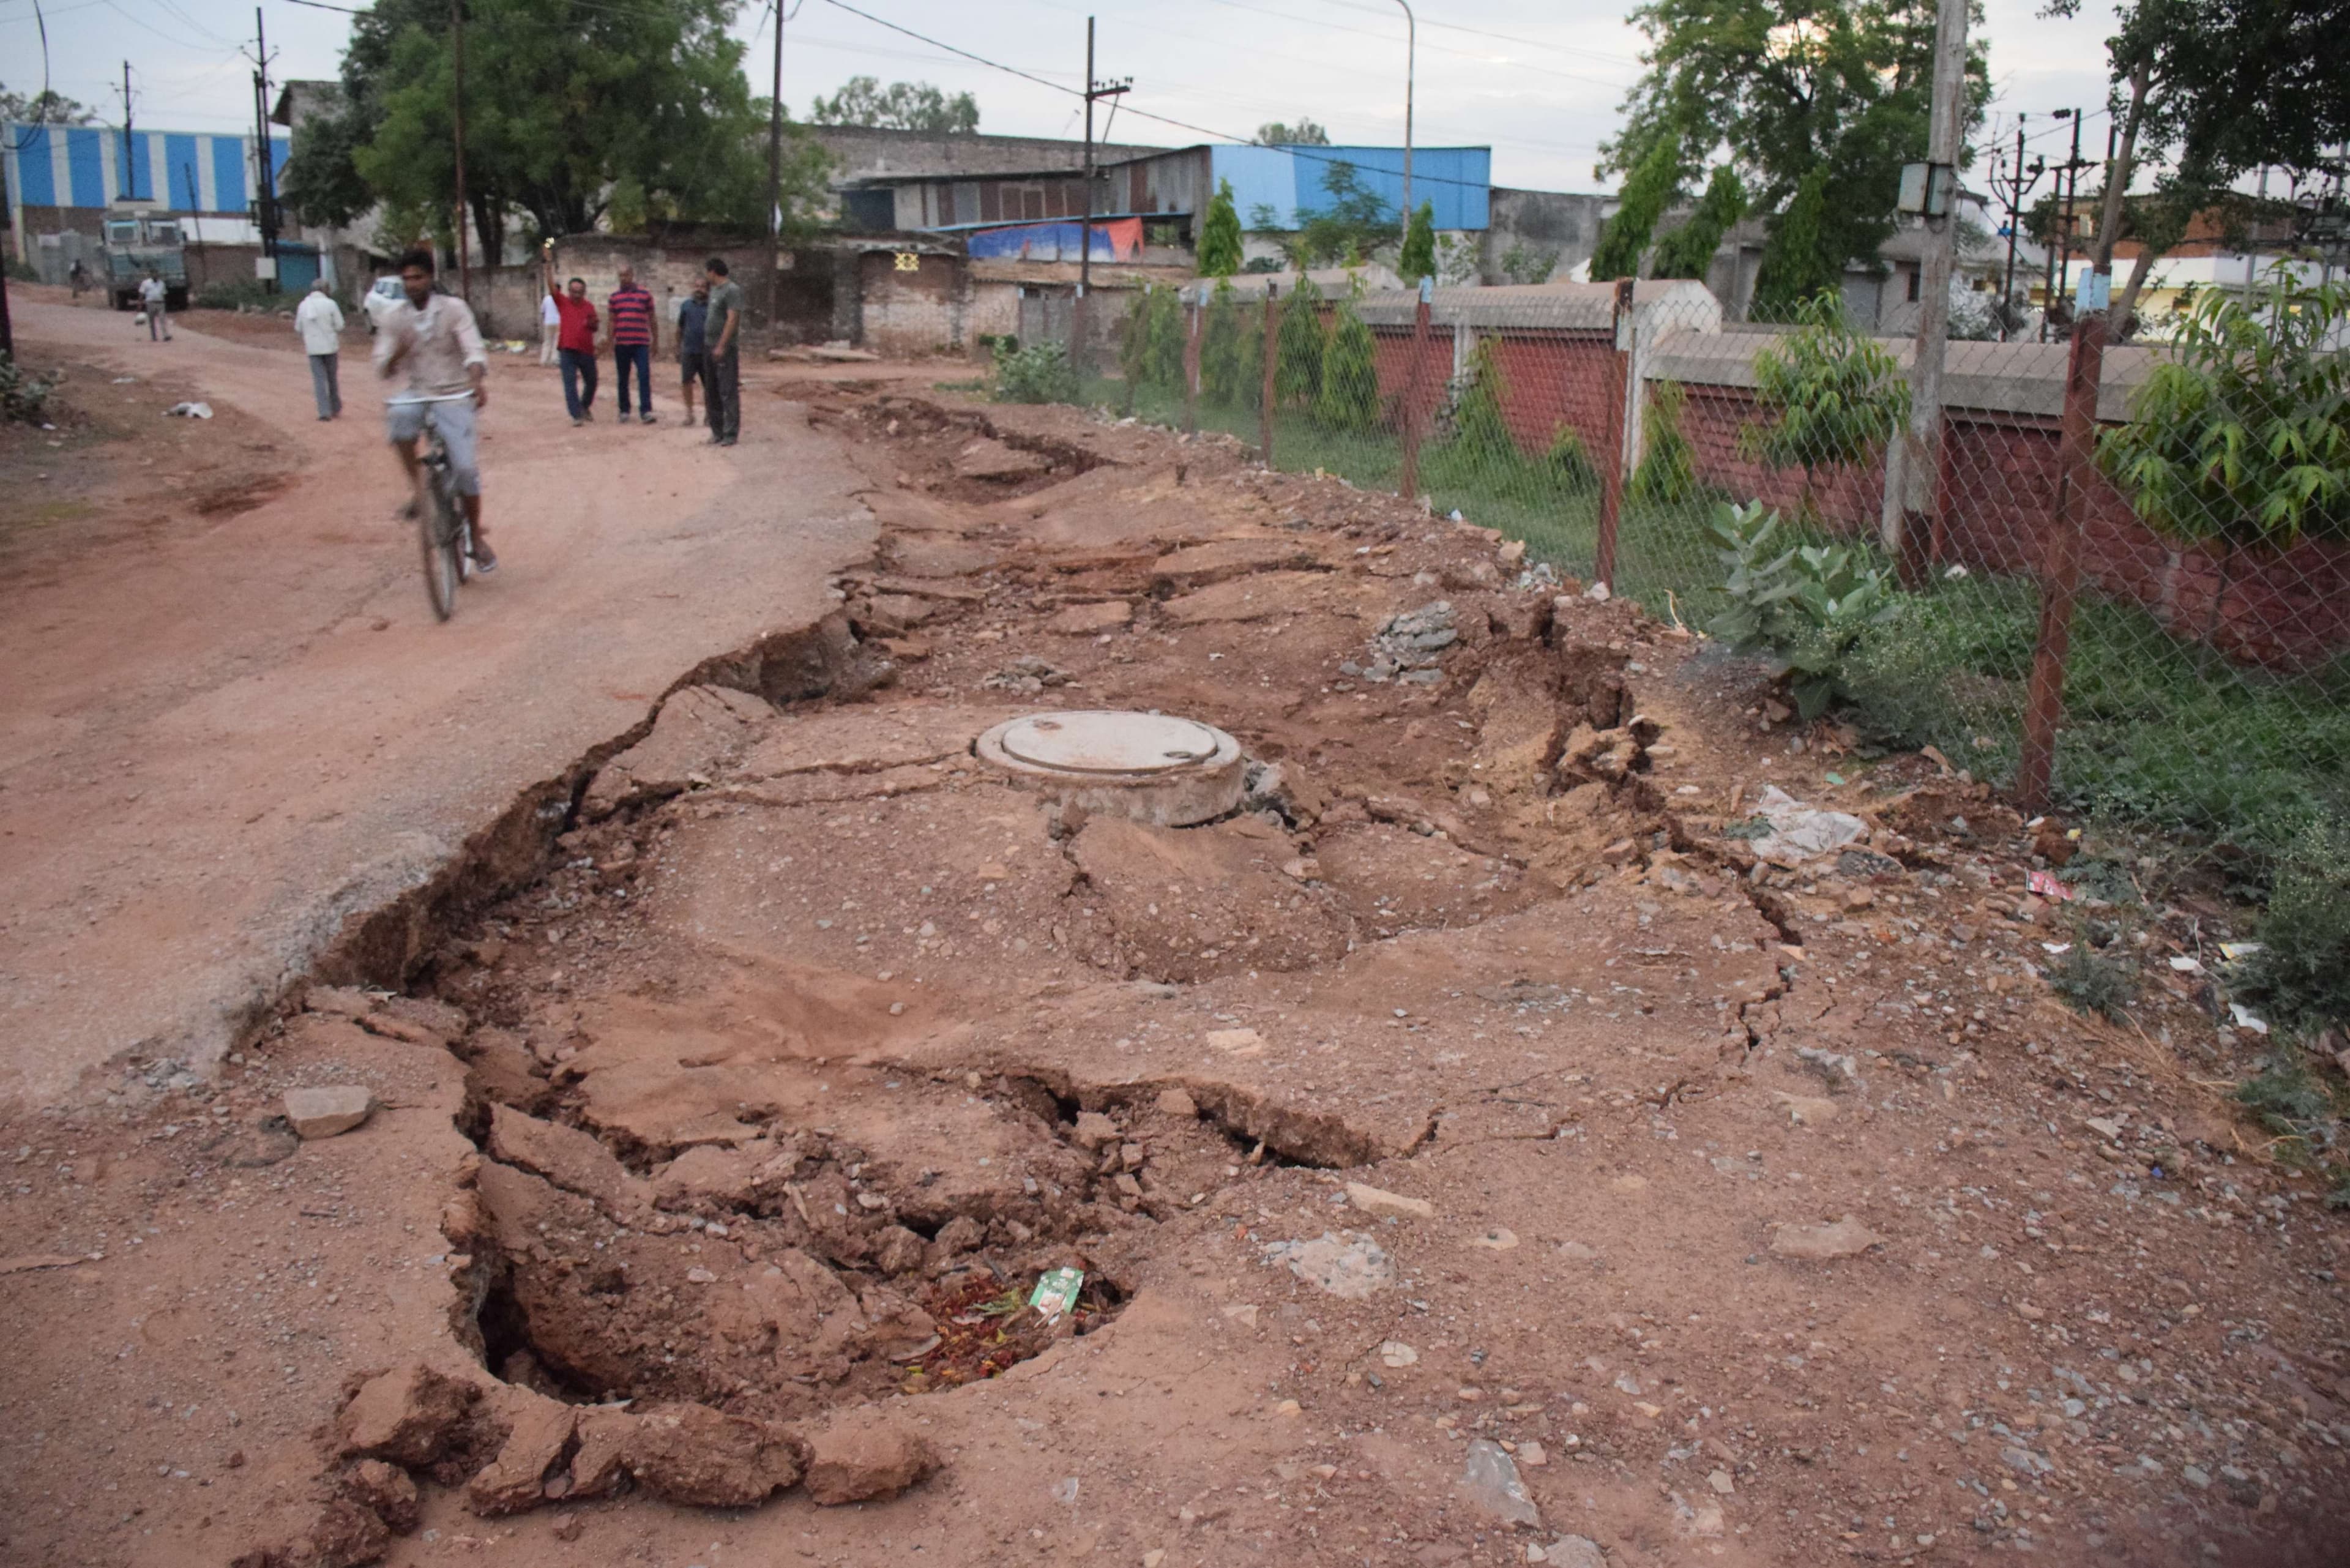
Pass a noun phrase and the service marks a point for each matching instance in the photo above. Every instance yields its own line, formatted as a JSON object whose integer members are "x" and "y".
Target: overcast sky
{"x": 1538, "y": 80}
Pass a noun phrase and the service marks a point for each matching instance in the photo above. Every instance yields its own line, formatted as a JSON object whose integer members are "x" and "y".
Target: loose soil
{"x": 1474, "y": 1103}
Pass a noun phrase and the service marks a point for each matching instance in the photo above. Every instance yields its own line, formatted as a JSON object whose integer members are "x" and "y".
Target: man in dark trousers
{"x": 575, "y": 339}
{"x": 636, "y": 337}
{"x": 693, "y": 346}
{"x": 724, "y": 332}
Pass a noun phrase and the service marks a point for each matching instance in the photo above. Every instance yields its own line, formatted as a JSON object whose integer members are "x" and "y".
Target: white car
{"x": 386, "y": 293}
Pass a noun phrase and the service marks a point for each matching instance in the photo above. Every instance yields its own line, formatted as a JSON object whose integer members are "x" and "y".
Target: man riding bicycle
{"x": 433, "y": 337}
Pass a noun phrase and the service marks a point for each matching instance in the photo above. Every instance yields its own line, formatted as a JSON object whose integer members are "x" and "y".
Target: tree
{"x": 1687, "y": 251}
{"x": 1419, "y": 259}
{"x": 2225, "y": 85}
{"x": 1231, "y": 352}
{"x": 1304, "y": 133}
{"x": 1299, "y": 344}
{"x": 1647, "y": 193}
{"x": 2240, "y": 437}
{"x": 1830, "y": 397}
{"x": 1151, "y": 352}
{"x": 900, "y": 106}
{"x": 1350, "y": 399}
{"x": 1799, "y": 260}
{"x": 569, "y": 107}
{"x": 1357, "y": 222}
{"x": 1790, "y": 85}
{"x": 43, "y": 107}
{"x": 1479, "y": 431}
{"x": 1220, "y": 236}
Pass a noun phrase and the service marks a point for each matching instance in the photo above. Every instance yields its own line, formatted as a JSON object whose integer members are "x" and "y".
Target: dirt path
{"x": 226, "y": 730}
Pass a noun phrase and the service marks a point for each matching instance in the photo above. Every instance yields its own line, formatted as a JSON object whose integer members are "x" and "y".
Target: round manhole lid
{"x": 1136, "y": 744}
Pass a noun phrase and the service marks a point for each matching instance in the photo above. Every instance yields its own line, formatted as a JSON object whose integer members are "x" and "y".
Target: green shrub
{"x": 2303, "y": 1117}
{"x": 1570, "y": 462}
{"x": 2093, "y": 982}
{"x": 1040, "y": 373}
{"x": 2301, "y": 976}
{"x": 236, "y": 293}
{"x": 1150, "y": 350}
{"x": 1220, "y": 236}
{"x": 1350, "y": 399}
{"x": 1807, "y": 605}
{"x": 1477, "y": 429}
{"x": 1830, "y": 397}
{"x": 1299, "y": 344}
{"x": 1231, "y": 352}
{"x": 1419, "y": 259}
{"x": 23, "y": 396}
{"x": 1668, "y": 471}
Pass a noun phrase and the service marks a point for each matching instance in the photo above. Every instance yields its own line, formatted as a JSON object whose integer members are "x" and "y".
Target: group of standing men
{"x": 709, "y": 345}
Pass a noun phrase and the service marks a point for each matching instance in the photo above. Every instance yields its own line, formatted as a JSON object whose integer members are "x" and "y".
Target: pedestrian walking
{"x": 152, "y": 298}
{"x": 80, "y": 278}
{"x": 320, "y": 321}
{"x": 575, "y": 342}
{"x": 693, "y": 359}
{"x": 550, "y": 324}
{"x": 724, "y": 330}
{"x": 636, "y": 335}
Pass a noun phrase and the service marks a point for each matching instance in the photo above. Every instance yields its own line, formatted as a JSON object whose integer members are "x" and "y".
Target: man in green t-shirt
{"x": 724, "y": 334}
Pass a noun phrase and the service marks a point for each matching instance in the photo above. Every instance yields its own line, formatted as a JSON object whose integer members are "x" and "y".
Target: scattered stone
{"x": 1094, "y": 1129}
{"x": 1375, "y": 1200}
{"x": 1351, "y": 1269}
{"x": 990, "y": 458}
{"x": 565, "y": 1527}
{"x": 1569, "y": 1552}
{"x": 1177, "y": 1102}
{"x": 407, "y": 1415}
{"x": 1489, "y": 1478}
{"x": 1499, "y": 1238}
{"x": 1805, "y": 1110}
{"x": 325, "y": 1112}
{"x": 600, "y": 1464}
{"x": 339, "y": 1001}
{"x": 1027, "y": 675}
{"x": 572, "y": 1159}
{"x": 898, "y": 1251}
{"x": 863, "y": 1457}
{"x": 1720, "y": 1481}
{"x": 1845, "y": 1238}
{"x": 1089, "y": 620}
{"x": 1396, "y": 1354}
{"x": 693, "y": 1454}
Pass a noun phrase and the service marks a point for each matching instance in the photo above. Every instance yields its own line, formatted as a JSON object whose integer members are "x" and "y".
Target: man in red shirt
{"x": 636, "y": 333}
{"x": 575, "y": 339}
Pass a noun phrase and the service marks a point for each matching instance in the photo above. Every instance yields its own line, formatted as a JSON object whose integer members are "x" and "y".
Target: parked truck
{"x": 138, "y": 244}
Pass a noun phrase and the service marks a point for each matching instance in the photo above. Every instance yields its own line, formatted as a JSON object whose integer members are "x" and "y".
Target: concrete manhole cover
{"x": 1152, "y": 767}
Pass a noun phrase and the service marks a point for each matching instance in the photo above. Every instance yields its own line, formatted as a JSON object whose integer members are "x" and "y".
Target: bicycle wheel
{"x": 437, "y": 528}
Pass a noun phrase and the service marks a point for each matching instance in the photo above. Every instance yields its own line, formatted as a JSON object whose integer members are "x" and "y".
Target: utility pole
{"x": 2019, "y": 182}
{"x": 457, "y": 119}
{"x": 265, "y": 165}
{"x": 1916, "y": 532}
{"x": 775, "y": 183}
{"x": 1410, "y": 70}
{"x": 130, "y": 142}
{"x": 1093, "y": 90}
{"x": 2060, "y": 258}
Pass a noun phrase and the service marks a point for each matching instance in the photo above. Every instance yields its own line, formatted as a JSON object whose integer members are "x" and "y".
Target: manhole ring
{"x": 1095, "y": 743}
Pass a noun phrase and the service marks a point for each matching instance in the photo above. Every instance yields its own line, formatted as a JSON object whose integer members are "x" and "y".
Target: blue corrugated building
{"x": 1287, "y": 181}
{"x": 65, "y": 176}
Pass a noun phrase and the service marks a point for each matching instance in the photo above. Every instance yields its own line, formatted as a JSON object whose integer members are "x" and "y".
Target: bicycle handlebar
{"x": 437, "y": 397}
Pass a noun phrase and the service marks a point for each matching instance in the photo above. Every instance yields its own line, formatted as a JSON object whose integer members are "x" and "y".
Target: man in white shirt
{"x": 152, "y": 298}
{"x": 550, "y": 322}
{"x": 320, "y": 321}
{"x": 432, "y": 337}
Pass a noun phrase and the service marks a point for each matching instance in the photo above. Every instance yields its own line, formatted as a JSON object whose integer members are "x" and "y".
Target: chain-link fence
{"x": 2169, "y": 545}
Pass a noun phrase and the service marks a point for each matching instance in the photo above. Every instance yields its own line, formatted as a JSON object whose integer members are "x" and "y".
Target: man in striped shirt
{"x": 636, "y": 333}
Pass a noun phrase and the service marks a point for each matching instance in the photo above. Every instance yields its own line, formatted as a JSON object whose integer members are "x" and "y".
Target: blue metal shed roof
{"x": 1457, "y": 182}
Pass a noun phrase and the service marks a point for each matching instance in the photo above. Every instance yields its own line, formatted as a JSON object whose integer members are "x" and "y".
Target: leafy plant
{"x": 2301, "y": 976}
{"x": 1649, "y": 191}
{"x": 2289, "y": 1104}
{"x": 1354, "y": 222}
{"x": 1522, "y": 264}
{"x": 1040, "y": 373}
{"x": 1572, "y": 461}
{"x": 23, "y": 396}
{"x": 1300, "y": 343}
{"x": 1459, "y": 259}
{"x": 1830, "y": 397}
{"x": 1150, "y": 350}
{"x": 1220, "y": 235}
{"x": 1349, "y": 398}
{"x": 2240, "y": 436}
{"x": 1687, "y": 251}
{"x": 1231, "y": 352}
{"x": 1668, "y": 471}
{"x": 1419, "y": 259}
{"x": 234, "y": 294}
{"x": 1478, "y": 428}
{"x": 1807, "y": 605}
{"x": 1797, "y": 265}
{"x": 2090, "y": 982}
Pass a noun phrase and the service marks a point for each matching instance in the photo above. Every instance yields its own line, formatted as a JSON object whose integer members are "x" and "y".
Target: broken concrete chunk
{"x": 697, "y": 729}
{"x": 601, "y": 1461}
{"x": 693, "y": 1454}
{"x": 1847, "y": 1238}
{"x": 1805, "y": 1110}
{"x": 1088, "y": 620}
{"x": 515, "y": 1479}
{"x": 1177, "y": 1102}
{"x": 989, "y": 459}
{"x": 341, "y": 1001}
{"x": 325, "y": 1112}
{"x": 386, "y": 1490}
{"x": 898, "y": 1251}
{"x": 408, "y": 1415}
{"x": 710, "y": 1175}
{"x": 1488, "y": 1480}
{"x": 1376, "y": 1201}
{"x": 1570, "y": 1552}
{"x": 1094, "y": 1129}
{"x": 863, "y": 1457}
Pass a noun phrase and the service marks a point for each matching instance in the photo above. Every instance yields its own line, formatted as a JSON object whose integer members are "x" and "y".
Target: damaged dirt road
{"x": 1510, "y": 1135}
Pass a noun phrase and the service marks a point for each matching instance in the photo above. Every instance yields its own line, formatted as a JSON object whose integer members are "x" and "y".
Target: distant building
{"x": 65, "y": 178}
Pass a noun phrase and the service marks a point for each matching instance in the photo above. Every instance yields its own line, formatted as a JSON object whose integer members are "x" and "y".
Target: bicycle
{"x": 442, "y": 529}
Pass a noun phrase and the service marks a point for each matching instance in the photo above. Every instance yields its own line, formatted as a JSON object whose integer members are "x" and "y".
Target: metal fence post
{"x": 2060, "y": 575}
{"x": 1611, "y": 480}
{"x": 1408, "y": 484}
{"x": 1191, "y": 370}
{"x": 1271, "y": 347}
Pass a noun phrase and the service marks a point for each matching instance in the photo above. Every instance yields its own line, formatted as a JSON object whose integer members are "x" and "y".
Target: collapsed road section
{"x": 1465, "y": 1106}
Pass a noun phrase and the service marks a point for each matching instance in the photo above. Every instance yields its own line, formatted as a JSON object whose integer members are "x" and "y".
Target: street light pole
{"x": 1410, "y": 70}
